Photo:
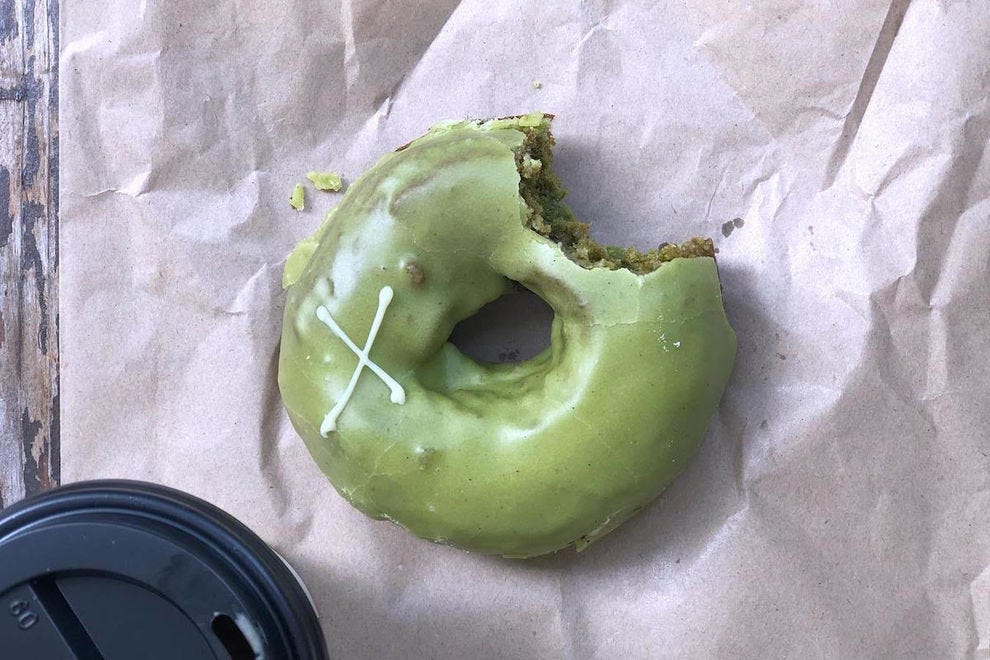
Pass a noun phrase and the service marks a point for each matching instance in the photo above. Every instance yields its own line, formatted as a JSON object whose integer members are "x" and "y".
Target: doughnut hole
{"x": 513, "y": 328}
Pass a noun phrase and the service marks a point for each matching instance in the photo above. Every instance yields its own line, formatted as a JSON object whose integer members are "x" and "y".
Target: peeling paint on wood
{"x": 29, "y": 383}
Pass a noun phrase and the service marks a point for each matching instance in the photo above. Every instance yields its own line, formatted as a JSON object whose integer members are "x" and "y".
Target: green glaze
{"x": 519, "y": 459}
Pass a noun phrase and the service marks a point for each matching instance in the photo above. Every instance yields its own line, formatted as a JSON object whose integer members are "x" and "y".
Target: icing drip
{"x": 397, "y": 394}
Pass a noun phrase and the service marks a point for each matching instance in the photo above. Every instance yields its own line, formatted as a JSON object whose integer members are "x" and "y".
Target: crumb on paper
{"x": 728, "y": 227}
{"x": 537, "y": 84}
{"x": 298, "y": 198}
{"x": 325, "y": 180}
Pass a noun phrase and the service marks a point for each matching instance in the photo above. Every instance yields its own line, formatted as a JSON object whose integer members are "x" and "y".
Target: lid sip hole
{"x": 232, "y": 638}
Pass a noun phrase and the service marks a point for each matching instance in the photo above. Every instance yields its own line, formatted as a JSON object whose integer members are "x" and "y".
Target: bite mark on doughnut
{"x": 550, "y": 217}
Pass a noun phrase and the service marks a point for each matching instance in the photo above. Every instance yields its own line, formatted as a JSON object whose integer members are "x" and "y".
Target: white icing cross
{"x": 398, "y": 395}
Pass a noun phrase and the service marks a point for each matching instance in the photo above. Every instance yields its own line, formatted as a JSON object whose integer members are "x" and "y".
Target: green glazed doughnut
{"x": 517, "y": 459}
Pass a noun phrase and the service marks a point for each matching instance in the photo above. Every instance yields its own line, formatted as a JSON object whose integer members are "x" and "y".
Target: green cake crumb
{"x": 325, "y": 180}
{"x": 298, "y": 198}
{"x": 537, "y": 84}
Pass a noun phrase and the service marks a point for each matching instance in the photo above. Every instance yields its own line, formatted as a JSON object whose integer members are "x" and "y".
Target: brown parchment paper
{"x": 840, "y": 506}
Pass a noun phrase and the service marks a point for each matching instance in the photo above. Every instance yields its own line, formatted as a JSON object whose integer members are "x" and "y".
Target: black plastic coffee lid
{"x": 126, "y": 569}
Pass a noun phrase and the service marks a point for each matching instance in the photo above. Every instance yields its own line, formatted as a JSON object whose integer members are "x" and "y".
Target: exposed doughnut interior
{"x": 550, "y": 217}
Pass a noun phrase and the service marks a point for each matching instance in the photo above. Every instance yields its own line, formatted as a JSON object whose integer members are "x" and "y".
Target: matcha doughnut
{"x": 515, "y": 459}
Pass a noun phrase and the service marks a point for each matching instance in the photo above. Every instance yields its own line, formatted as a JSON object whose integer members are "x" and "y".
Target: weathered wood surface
{"x": 29, "y": 415}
